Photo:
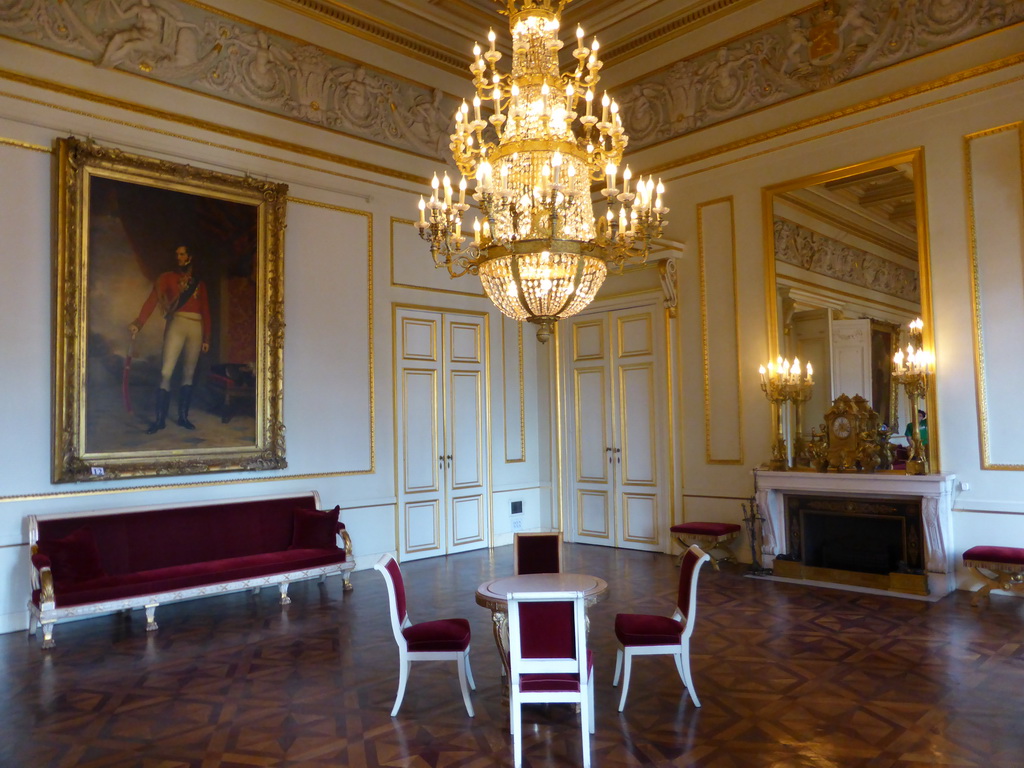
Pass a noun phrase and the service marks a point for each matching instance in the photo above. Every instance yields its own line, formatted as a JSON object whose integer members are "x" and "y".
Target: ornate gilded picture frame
{"x": 169, "y": 318}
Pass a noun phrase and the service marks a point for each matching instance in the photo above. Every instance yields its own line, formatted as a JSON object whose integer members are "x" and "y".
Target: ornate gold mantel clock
{"x": 851, "y": 430}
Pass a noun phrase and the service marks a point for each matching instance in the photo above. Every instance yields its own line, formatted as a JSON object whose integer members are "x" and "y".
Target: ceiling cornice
{"x": 358, "y": 24}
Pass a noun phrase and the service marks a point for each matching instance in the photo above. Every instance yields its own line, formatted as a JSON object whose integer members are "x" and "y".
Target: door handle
{"x": 618, "y": 456}
{"x": 449, "y": 457}
{"x": 609, "y": 452}
{"x": 440, "y": 462}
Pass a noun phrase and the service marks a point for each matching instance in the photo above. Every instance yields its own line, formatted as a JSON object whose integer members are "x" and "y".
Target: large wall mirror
{"x": 847, "y": 262}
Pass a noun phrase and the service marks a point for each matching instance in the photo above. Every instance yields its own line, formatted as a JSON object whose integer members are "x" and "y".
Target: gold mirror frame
{"x": 914, "y": 158}
{"x": 97, "y": 434}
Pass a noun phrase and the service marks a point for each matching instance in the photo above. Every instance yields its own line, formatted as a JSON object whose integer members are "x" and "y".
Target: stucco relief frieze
{"x": 822, "y": 255}
{"x": 194, "y": 47}
{"x": 816, "y": 49}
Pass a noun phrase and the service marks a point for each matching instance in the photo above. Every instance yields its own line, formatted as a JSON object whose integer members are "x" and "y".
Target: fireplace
{"x": 878, "y": 530}
{"x": 866, "y": 542}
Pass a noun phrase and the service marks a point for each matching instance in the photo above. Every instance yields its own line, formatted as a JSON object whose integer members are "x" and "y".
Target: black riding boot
{"x": 184, "y": 401}
{"x": 163, "y": 402}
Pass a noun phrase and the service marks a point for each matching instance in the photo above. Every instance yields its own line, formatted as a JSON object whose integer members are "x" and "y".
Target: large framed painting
{"x": 169, "y": 318}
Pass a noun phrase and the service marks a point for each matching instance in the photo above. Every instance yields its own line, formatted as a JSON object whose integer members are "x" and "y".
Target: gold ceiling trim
{"x": 812, "y": 122}
{"x": 24, "y": 145}
{"x": 204, "y": 125}
{"x": 349, "y": 20}
{"x": 655, "y": 35}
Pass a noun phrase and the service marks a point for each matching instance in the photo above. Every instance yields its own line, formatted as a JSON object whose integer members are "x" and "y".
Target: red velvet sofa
{"x": 90, "y": 563}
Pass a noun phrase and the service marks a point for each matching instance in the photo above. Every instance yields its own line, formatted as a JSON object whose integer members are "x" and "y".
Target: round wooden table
{"x": 493, "y": 595}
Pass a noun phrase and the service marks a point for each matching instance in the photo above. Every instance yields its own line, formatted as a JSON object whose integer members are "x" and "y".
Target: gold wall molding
{"x": 705, "y": 253}
{"x": 371, "y": 373}
{"x": 193, "y": 46}
{"x": 818, "y": 48}
{"x": 521, "y": 380}
{"x": 983, "y": 352}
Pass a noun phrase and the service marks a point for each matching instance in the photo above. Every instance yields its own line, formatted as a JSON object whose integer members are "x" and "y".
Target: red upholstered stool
{"x": 707, "y": 536}
{"x": 997, "y": 567}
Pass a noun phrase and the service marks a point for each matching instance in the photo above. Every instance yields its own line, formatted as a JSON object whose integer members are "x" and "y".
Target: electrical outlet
{"x": 517, "y": 525}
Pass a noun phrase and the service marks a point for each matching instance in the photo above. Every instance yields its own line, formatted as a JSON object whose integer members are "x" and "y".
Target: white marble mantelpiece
{"x": 935, "y": 492}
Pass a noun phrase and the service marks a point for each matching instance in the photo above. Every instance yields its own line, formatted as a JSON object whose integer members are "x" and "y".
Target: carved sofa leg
{"x": 48, "y": 635}
{"x": 283, "y": 586}
{"x": 151, "y": 625}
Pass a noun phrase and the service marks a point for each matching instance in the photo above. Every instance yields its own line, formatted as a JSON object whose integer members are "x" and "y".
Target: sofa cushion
{"x": 183, "y": 577}
{"x": 315, "y": 529}
{"x": 74, "y": 558}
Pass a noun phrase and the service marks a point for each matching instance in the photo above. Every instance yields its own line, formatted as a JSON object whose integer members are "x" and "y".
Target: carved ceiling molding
{"x": 823, "y": 46}
{"x": 216, "y": 54}
{"x": 822, "y": 255}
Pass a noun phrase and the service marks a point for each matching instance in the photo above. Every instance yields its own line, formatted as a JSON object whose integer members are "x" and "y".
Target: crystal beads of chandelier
{"x": 539, "y": 248}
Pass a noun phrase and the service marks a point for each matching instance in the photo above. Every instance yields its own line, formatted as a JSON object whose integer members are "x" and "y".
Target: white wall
{"x": 991, "y": 511}
{"x": 343, "y": 218}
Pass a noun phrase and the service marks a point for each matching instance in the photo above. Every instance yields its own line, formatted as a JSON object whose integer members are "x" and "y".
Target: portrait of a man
{"x": 177, "y": 294}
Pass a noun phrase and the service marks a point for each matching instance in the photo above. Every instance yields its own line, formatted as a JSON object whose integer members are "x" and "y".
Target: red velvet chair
{"x": 549, "y": 660}
{"x": 644, "y": 635}
{"x": 537, "y": 553}
{"x": 442, "y": 640}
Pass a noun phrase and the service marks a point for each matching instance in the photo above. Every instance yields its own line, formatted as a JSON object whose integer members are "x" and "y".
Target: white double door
{"x": 617, "y": 427}
{"x": 441, "y": 432}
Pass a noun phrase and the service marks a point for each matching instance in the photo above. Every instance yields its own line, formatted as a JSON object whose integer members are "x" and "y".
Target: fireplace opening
{"x": 853, "y": 543}
{"x": 869, "y": 536}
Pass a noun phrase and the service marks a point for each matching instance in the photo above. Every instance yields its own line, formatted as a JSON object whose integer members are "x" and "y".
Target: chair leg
{"x": 593, "y": 712}
{"x": 403, "y": 678}
{"x": 628, "y": 664}
{"x": 469, "y": 672}
{"x": 618, "y": 667}
{"x": 516, "y": 711}
{"x": 463, "y": 664}
{"x": 586, "y": 716}
{"x": 683, "y": 665}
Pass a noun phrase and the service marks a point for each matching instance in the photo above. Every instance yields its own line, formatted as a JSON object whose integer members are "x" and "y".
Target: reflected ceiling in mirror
{"x": 847, "y": 262}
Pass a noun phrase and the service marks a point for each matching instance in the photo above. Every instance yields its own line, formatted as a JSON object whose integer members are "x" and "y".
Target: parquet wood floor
{"x": 788, "y": 675}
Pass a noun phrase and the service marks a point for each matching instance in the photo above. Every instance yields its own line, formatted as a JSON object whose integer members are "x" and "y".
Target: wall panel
{"x": 723, "y": 416}
{"x": 996, "y": 200}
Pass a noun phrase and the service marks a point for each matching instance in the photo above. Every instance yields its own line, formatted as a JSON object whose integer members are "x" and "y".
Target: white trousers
{"x": 184, "y": 333}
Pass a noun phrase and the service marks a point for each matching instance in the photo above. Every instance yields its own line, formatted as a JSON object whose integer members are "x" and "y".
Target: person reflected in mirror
{"x": 922, "y": 425}
{"x": 184, "y": 301}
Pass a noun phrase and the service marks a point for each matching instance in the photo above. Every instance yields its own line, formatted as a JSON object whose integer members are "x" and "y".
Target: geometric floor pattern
{"x": 788, "y": 675}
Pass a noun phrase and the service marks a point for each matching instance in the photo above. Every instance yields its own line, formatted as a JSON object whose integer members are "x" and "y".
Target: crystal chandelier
{"x": 537, "y": 246}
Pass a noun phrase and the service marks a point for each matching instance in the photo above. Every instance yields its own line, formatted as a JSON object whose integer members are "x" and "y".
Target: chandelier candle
{"x": 783, "y": 381}
{"x": 537, "y": 246}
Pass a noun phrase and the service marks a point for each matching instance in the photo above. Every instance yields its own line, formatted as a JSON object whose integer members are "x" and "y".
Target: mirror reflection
{"x": 847, "y": 262}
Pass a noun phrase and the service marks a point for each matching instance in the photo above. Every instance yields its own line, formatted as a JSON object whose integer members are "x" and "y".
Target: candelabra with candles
{"x": 783, "y": 381}
{"x": 911, "y": 369}
{"x": 538, "y": 248}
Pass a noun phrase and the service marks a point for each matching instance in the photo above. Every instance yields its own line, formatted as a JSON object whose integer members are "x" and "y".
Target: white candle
{"x": 462, "y": 191}
{"x": 590, "y": 102}
{"x": 605, "y": 103}
{"x": 423, "y": 207}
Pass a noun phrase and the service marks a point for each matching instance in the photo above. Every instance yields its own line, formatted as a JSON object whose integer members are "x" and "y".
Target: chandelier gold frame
{"x": 538, "y": 248}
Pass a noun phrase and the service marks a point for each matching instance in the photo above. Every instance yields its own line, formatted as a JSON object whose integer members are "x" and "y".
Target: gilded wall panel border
{"x": 520, "y": 380}
{"x": 370, "y": 331}
{"x": 984, "y": 385}
{"x": 704, "y": 247}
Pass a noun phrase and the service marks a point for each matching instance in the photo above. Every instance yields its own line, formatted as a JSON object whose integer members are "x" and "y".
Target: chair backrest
{"x": 537, "y": 553}
{"x": 388, "y": 567}
{"x": 547, "y": 635}
{"x": 686, "y": 601}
